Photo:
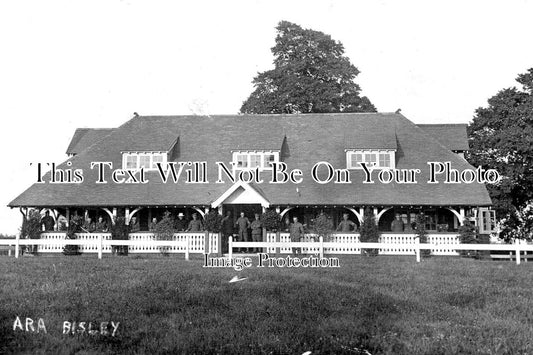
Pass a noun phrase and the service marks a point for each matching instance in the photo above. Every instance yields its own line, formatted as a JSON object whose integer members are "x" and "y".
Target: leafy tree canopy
{"x": 501, "y": 137}
{"x": 311, "y": 75}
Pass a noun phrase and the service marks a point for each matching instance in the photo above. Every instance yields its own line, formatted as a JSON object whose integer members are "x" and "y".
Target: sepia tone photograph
{"x": 266, "y": 177}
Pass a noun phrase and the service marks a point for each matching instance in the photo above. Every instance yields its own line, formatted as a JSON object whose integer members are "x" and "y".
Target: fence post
{"x": 100, "y": 246}
{"x": 417, "y": 248}
{"x": 230, "y": 247}
{"x": 321, "y": 239}
{"x": 517, "y": 243}
{"x": 278, "y": 238}
{"x": 17, "y": 245}
{"x": 187, "y": 248}
{"x": 219, "y": 243}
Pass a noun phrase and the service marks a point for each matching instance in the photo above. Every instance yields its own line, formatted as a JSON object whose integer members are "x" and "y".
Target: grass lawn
{"x": 385, "y": 305}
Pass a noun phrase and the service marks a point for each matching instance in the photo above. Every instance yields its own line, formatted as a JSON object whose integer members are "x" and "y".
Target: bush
{"x": 120, "y": 231}
{"x": 369, "y": 232}
{"x": 323, "y": 226}
{"x": 213, "y": 221}
{"x": 73, "y": 227}
{"x": 31, "y": 228}
{"x": 468, "y": 234}
{"x": 421, "y": 233}
{"x": 271, "y": 220}
{"x": 164, "y": 230}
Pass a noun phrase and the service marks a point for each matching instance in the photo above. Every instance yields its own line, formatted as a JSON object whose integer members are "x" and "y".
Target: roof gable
{"x": 241, "y": 193}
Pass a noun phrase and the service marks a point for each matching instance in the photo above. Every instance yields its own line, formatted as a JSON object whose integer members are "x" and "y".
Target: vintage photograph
{"x": 266, "y": 177}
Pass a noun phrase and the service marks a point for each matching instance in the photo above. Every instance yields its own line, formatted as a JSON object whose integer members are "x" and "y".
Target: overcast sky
{"x": 69, "y": 64}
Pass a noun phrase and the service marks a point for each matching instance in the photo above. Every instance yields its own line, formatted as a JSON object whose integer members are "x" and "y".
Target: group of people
{"x": 180, "y": 224}
{"x": 94, "y": 227}
{"x": 89, "y": 226}
{"x": 241, "y": 225}
{"x": 296, "y": 229}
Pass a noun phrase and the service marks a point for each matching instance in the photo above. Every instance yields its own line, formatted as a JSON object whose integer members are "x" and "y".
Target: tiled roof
{"x": 452, "y": 136}
{"x": 85, "y": 137}
{"x": 371, "y": 133}
{"x": 310, "y": 138}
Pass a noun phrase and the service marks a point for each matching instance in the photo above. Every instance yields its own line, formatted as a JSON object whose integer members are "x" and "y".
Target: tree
{"x": 369, "y": 232}
{"x": 524, "y": 222}
{"x": 310, "y": 75}
{"x": 501, "y": 138}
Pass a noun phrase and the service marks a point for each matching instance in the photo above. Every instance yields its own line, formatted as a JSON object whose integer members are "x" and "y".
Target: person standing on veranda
{"x": 243, "y": 224}
{"x": 296, "y": 233}
{"x": 227, "y": 231}
{"x": 257, "y": 231}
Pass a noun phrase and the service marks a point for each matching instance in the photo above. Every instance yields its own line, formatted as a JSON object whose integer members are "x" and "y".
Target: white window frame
{"x": 368, "y": 153}
{"x": 263, "y": 159}
{"x": 486, "y": 221}
{"x": 163, "y": 156}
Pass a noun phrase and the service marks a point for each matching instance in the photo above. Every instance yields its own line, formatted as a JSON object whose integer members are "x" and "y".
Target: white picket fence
{"x": 398, "y": 243}
{"x": 400, "y": 247}
{"x": 54, "y": 242}
{"x": 339, "y": 243}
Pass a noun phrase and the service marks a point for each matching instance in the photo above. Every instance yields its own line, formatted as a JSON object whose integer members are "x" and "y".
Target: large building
{"x": 245, "y": 143}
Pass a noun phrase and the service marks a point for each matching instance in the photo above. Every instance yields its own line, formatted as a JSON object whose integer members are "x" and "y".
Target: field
{"x": 383, "y": 305}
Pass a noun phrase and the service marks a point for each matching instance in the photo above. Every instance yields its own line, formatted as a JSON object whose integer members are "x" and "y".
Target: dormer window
{"x": 146, "y": 160}
{"x": 378, "y": 159}
{"x": 263, "y": 160}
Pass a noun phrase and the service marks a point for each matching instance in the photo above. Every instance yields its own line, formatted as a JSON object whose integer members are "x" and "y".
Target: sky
{"x": 70, "y": 64}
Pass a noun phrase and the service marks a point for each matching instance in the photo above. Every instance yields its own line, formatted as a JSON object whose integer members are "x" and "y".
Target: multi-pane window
{"x": 356, "y": 159}
{"x": 156, "y": 159}
{"x": 242, "y": 161}
{"x": 384, "y": 160}
{"x": 487, "y": 221}
{"x": 131, "y": 162}
{"x": 268, "y": 160}
{"x": 372, "y": 158}
{"x": 146, "y": 160}
{"x": 254, "y": 159}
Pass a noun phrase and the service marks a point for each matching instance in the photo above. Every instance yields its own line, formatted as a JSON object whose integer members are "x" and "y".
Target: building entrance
{"x": 249, "y": 211}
